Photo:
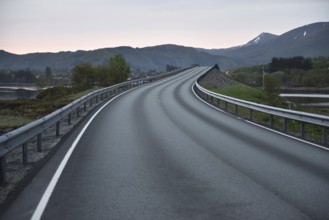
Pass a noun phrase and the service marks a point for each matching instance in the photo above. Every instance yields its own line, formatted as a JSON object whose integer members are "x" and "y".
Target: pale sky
{"x": 28, "y": 26}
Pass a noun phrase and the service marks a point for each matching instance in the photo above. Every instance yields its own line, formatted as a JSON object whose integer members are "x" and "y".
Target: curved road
{"x": 158, "y": 152}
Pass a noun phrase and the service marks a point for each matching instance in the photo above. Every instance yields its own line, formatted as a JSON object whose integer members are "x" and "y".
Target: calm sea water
{"x": 13, "y": 94}
{"x": 315, "y": 100}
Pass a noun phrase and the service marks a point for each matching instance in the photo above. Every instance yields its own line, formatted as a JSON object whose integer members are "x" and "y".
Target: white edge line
{"x": 46, "y": 195}
{"x": 261, "y": 126}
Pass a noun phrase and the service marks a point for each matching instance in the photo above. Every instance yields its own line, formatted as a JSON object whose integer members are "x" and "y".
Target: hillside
{"x": 148, "y": 58}
{"x": 309, "y": 41}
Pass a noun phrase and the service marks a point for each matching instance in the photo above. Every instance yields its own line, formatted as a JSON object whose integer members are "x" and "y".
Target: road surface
{"x": 158, "y": 152}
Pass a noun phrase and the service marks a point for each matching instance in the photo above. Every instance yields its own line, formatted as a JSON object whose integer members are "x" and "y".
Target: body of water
{"x": 314, "y": 100}
{"x": 7, "y": 93}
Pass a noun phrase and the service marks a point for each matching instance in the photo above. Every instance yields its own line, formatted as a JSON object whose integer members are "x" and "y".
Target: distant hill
{"x": 309, "y": 41}
{"x": 148, "y": 58}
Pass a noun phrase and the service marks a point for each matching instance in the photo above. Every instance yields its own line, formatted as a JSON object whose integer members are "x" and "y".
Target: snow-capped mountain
{"x": 309, "y": 41}
{"x": 262, "y": 38}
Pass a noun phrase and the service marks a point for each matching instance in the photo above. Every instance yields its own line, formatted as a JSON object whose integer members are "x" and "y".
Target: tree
{"x": 308, "y": 80}
{"x": 83, "y": 76}
{"x": 42, "y": 82}
{"x": 298, "y": 62}
{"x": 171, "y": 67}
{"x": 272, "y": 89}
{"x": 115, "y": 71}
{"x": 119, "y": 69}
{"x": 48, "y": 72}
{"x": 5, "y": 77}
{"x": 23, "y": 76}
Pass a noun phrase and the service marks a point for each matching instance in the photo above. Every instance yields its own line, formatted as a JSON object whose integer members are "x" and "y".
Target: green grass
{"x": 7, "y": 121}
{"x": 75, "y": 96}
{"x": 244, "y": 92}
{"x": 16, "y": 113}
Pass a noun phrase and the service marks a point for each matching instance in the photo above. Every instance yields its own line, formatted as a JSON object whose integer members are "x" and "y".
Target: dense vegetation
{"x": 291, "y": 72}
{"x": 18, "y": 76}
{"x": 86, "y": 76}
{"x": 298, "y": 62}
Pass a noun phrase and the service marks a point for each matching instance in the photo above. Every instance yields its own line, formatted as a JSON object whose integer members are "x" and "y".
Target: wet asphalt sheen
{"x": 158, "y": 152}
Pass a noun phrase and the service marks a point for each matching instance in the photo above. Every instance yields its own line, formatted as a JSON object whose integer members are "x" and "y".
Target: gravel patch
{"x": 216, "y": 79}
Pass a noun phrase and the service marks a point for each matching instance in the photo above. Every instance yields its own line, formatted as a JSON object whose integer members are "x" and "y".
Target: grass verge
{"x": 16, "y": 113}
{"x": 247, "y": 93}
{"x": 244, "y": 92}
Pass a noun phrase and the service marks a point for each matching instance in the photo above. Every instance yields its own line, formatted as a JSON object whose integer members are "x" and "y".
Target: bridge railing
{"x": 22, "y": 135}
{"x": 292, "y": 122}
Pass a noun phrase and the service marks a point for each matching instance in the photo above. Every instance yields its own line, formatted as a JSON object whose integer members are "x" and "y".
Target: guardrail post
{"x": 324, "y": 135}
{"x": 69, "y": 118}
{"x": 85, "y": 106}
{"x": 91, "y": 102}
{"x": 58, "y": 124}
{"x": 2, "y": 170}
{"x": 78, "y": 112}
{"x": 225, "y": 105}
{"x": 96, "y": 98}
{"x": 250, "y": 114}
{"x": 236, "y": 109}
{"x": 39, "y": 145}
{"x": 302, "y": 129}
{"x": 285, "y": 124}
{"x": 24, "y": 149}
{"x": 271, "y": 121}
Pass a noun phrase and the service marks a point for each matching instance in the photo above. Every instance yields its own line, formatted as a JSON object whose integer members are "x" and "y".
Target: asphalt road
{"x": 158, "y": 152}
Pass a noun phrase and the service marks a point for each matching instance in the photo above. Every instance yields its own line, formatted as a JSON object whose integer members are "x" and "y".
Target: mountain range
{"x": 308, "y": 41}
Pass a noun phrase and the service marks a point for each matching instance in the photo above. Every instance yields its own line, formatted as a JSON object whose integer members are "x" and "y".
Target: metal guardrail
{"x": 22, "y": 135}
{"x": 303, "y": 118}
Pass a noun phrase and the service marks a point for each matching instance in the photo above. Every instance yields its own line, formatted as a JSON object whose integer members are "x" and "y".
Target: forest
{"x": 290, "y": 72}
{"x": 17, "y": 76}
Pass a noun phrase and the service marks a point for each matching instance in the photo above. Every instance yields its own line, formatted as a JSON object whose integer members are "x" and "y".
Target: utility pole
{"x": 263, "y": 68}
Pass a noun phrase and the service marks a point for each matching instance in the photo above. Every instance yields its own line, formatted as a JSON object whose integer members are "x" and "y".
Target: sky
{"x": 28, "y": 26}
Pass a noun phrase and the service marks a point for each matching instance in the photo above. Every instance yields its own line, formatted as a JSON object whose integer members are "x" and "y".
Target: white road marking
{"x": 46, "y": 196}
{"x": 261, "y": 126}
